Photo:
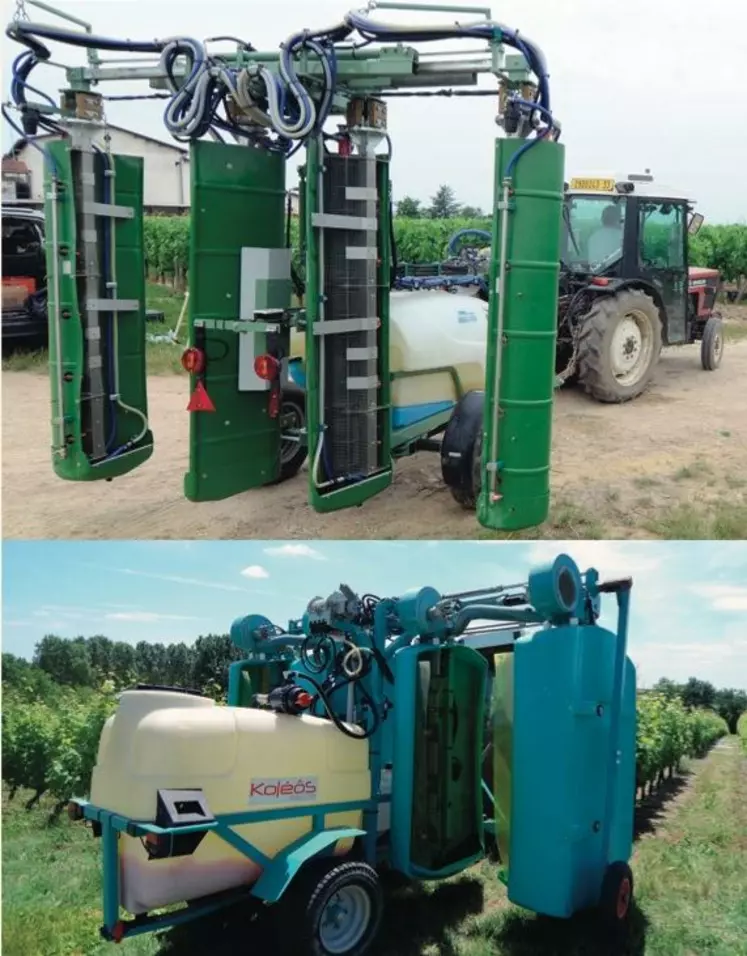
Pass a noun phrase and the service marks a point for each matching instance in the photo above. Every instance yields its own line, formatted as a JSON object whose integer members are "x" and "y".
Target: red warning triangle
{"x": 200, "y": 400}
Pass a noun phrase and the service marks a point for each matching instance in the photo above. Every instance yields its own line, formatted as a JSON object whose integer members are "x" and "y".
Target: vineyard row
{"x": 425, "y": 240}
{"x": 51, "y": 748}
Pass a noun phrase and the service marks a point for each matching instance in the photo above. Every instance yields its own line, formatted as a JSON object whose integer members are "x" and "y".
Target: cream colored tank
{"x": 242, "y": 759}
{"x": 431, "y": 330}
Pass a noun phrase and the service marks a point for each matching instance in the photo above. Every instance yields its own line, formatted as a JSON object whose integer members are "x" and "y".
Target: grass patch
{"x": 724, "y": 521}
{"x": 646, "y": 481}
{"x": 161, "y": 358}
{"x": 690, "y": 868}
{"x": 734, "y": 481}
{"x": 567, "y": 521}
{"x": 695, "y": 470}
{"x": 735, "y": 331}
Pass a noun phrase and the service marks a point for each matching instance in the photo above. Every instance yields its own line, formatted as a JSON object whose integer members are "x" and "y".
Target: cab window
{"x": 662, "y": 232}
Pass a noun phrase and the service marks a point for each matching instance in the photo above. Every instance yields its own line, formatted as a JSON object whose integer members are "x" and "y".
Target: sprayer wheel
{"x": 292, "y": 453}
{"x": 461, "y": 450}
{"x": 616, "y": 897}
{"x": 332, "y": 909}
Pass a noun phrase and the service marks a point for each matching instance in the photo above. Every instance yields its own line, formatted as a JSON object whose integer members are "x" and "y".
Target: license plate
{"x": 594, "y": 185}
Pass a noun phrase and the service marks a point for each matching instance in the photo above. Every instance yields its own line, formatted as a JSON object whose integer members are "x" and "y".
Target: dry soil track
{"x": 614, "y": 468}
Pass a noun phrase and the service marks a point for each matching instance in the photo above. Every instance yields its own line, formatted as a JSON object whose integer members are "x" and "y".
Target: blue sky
{"x": 689, "y": 610}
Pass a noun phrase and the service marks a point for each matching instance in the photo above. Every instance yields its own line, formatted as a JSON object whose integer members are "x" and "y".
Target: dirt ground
{"x": 618, "y": 471}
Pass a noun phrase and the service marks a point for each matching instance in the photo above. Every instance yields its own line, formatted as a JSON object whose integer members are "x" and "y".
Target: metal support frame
{"x": 277, "y": 873}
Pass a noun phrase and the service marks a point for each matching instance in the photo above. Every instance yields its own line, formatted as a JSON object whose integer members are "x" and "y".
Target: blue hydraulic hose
{"x": 477, "y": 233}
{"x": 23, "y": 64}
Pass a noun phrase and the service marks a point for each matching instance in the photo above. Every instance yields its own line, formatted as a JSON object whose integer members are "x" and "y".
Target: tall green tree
{"x": 471, "y": 212}
{"x": 66, "y": 661}
{"x": 444, "y": 204}
{"x": 409, "y": 208}
{"x": 698, "y": 693}
{"x": 731, "y": 704}
{"x": 668, "y": 688}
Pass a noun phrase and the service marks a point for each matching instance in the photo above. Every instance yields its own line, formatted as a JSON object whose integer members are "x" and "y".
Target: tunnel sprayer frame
{"x": 407, "y": 678}
{"x": 242, "y": 279}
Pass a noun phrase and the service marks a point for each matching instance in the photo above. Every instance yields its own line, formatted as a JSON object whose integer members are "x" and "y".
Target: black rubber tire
{"x": 300, "y": 912}
{"x": 712, "y": 344}
{"x": 461, "y": 450}
{"x": 595, "y": 338}
{"x": 616, "y": 897}
{"x": 296, "y": 397}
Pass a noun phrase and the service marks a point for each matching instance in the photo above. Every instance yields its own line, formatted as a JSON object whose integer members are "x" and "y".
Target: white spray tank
{"x": 430, "y": 332}
{"x": 241, "y": 759}
{"x": 434, "y": 331}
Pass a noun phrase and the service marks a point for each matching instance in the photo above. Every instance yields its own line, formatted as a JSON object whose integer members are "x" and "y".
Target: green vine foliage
{"x": 425, "y": 240}
{"x": 50, "y": 746}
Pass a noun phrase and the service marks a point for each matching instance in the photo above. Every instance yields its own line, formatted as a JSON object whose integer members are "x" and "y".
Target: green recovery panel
{"x": 239, "y": 263}
{"x": 522, "y": 330}
{"x": 502, "y": 719}
{"x": 439, "y": 711}
{"x": 96, "y": 312}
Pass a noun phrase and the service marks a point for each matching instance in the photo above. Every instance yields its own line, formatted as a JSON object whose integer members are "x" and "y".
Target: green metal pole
{"x": 522, "y": 329}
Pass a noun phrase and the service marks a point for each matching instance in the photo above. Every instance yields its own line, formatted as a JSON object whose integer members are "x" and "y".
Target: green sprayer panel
{"x": 238, "y": 200}
{"x": 519, "y": 380}
{"x": 94, "y": 354}
{"x": 348, "y": 274}
{"x": 502, "y": 720}
{"x": 437, "y": 795}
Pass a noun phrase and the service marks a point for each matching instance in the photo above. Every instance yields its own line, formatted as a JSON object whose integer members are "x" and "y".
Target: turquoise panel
{"x": 563, "y": 687}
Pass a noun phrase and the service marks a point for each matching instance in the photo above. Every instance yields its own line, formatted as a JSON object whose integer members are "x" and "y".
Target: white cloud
{"x": 295, "y": 551}
{"x": 718, "y": 661}
{"x": 255, "y": 571}
{"x": 146, "y": 617}
{"x": 16, "y": 623}
{"x": 724, "y": 597}
{"x": 612, "y": 559}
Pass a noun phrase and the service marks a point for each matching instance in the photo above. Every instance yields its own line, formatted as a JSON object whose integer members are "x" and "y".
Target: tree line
{"x": 444, "y": 205}
{"x": 728, "y": 703}
{"x": 89, "y": 662}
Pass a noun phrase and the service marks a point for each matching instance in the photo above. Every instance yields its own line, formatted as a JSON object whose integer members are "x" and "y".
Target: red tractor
{"x": 625, "y": 286}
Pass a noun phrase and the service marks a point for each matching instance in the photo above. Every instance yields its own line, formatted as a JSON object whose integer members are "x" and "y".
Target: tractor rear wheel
{"x": 619, "y": 346}
{"x": 712, "y": 344}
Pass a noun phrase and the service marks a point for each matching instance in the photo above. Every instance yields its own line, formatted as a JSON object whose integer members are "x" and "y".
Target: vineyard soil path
{"x": 603, "y": 456}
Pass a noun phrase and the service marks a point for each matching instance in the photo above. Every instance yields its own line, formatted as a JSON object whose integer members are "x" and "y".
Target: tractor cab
{"x": 632, "y": 229}
{"x": 624, "y": 255}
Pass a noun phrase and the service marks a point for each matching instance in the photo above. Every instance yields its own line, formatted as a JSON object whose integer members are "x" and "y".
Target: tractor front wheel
{"x": 619, "y": 345}
{"x": 712, "y": 344}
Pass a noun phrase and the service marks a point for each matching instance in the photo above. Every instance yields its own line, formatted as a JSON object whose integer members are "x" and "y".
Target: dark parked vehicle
{"x": 24, "y": 277}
